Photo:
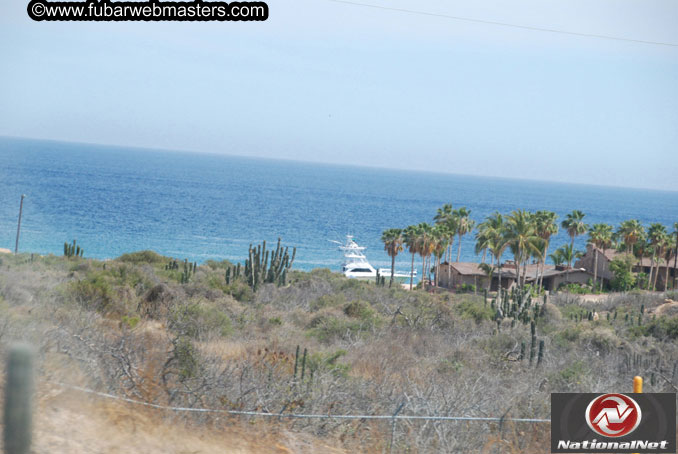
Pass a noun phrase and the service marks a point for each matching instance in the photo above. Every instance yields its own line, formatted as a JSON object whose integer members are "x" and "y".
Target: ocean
{"x": 208, "y": 206}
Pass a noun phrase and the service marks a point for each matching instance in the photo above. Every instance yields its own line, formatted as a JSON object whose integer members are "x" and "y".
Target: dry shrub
{"x": 156, "y": 302}
{"x": 550, "y": 313}
{"x": 369, "y": 351}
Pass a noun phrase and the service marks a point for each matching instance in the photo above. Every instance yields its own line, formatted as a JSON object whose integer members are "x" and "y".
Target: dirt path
{"x": 68, "y": 422}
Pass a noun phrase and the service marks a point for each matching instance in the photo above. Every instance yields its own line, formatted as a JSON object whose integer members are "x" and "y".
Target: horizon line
{"x": 336, "y": 164}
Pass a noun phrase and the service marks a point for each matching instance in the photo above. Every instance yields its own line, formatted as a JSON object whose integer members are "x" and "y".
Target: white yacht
{"x": 356, "y": 266}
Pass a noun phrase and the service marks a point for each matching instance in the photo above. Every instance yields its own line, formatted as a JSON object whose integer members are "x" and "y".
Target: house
{"x": 555, "y": 276}
{"x": 455, "y": 275}
{"x": 605, "y": 257}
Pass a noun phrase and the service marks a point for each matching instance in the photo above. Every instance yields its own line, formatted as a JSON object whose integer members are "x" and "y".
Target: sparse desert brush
{"x": 323, "y": 344}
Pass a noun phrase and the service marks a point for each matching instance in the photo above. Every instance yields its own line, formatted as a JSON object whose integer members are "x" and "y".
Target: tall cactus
{"x": 533, "y": 343}
{"x": 73, "y": 250}
{"x": 540, "y": 356}
{"x": 264, "y": 266}
{"x": 18, "y": 400}
{"x": 189, "y": 269}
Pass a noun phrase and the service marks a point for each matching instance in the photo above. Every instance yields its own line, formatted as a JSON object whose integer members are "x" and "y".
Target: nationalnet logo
{"x": 613, "y": 415}
{"x": 619, "y": 423}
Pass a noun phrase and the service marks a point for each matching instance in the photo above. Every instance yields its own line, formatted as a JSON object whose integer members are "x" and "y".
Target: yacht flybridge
{"x": 356, "y": 266}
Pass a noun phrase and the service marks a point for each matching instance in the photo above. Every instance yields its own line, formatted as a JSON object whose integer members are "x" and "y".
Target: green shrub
{"x": 221, "y": 265}
{"x": 565, "y": 337}
{"x": 570, "y": 376}
{"x": 575, "y": 288}
{"x": 130, "y": 322}
{"x": 571, "y": 311}
{"x": 499, "y": 344}
{"x": 360, "y": 310}
{"x": 601, "y": 339}
{"x": 672, "y": 295}
{"x": 186, "y": 358}
{"x": 327, "y": 362}
{"x": 129, "y": 275}
{"x": 466, "y": 288}
{"x": 198, "y": 319}
{"x": 327, "y": 328}
{"x": 474, "y": 309}
{"x": 94, "y": 293}
{"x": 150, "y": 257}
{"x": 240, "y": 291}
{"x": 661, "y": 328}
{"x": 621, "y": 268}
{"x": 333, "y": 300}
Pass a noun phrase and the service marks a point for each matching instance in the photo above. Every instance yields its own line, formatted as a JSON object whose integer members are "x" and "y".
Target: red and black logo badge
{"x": 613, "y": 423}
{"x": 613, "y": 415}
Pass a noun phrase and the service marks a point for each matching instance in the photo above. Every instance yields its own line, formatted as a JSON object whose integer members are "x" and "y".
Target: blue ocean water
{"x": 207, "y": 206}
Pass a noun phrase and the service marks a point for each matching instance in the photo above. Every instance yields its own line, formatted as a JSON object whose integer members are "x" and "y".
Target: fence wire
{"x": 296, "y": 415}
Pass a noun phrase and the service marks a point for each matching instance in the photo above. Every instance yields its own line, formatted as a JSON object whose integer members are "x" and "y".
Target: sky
{"x": 336, "y": 82}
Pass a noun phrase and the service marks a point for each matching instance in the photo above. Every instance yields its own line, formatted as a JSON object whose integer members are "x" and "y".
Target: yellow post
{"x": 637, "y": 384}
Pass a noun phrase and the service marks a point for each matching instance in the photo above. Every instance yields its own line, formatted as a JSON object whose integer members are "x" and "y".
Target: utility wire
{"x": 504, "y": 24}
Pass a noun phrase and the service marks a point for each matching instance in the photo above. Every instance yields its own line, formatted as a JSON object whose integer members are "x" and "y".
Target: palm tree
{"x": 464, "y": 225}
{"x": 488, "y": 270}
{"x": 630, "y": 232}
{"x": 445, "y": 216}
{"x": 546, "y": 226}
{"x": 411, "y": 240}
{"x": 393, "y": 244}
{"x": 600, "y": 236}
{"x": 656, "y": 236}
{"x": 664, "y": 243}
{"x": 522, "y": 238}
{"x": 640, "y": 250}
{"x": 482, "y": 240}
{"x": 668, "y": 254}
{"x": 675, "y": 256}
{"x": 425, "y": 247}
{"x": 574, "y": 224}
{"x": 557, "y": 257}
{"x": 568, "y": 253}
{"x": 440, "y": 242}
{"x": 497, "y": 242}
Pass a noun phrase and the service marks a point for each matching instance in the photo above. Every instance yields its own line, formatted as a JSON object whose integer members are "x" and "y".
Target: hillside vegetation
{"x": 142, "y": 328}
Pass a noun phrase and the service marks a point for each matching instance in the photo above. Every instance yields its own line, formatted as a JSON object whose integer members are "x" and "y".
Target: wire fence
{"x": 394, "y": 417}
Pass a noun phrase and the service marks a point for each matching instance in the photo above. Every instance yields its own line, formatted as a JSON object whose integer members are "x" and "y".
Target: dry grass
{"x": 69, "y": 423}
{"x": 369, "y": 350}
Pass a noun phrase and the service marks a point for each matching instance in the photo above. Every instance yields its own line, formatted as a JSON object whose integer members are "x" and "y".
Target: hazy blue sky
{"x": 333, "y": 82}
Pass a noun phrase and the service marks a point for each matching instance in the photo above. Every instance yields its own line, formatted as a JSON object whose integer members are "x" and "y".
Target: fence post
{"x": 18, "y": 227}
{"x": 18, "y": 400}
{"x": 637, "y": 384}
{"x": 393, "y": 425}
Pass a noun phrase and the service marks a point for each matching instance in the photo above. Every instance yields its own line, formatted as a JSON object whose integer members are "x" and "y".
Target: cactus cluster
{"x": 73, "y": 250}
{"x": 519, "y": 306}
{"x": 263, "y": 266}
{"x": 303, "y": 364}
{"x": 188, "y": 270}
{"x": 172, "y": 265}
{"x": 583, "y": 315}
{"x": 516, "y": 305}
{"x": 380, "y": 280}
